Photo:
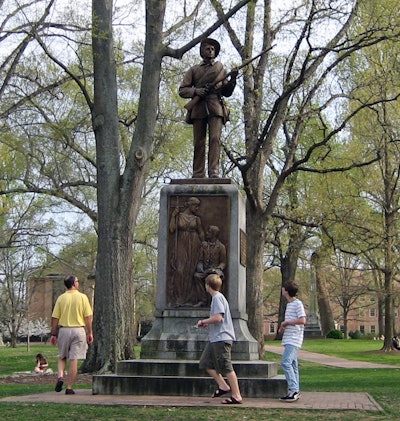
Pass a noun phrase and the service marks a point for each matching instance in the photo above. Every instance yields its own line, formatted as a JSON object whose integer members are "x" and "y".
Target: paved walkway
{"x": 328, "y": 360}
{"x": 308, "y": 400}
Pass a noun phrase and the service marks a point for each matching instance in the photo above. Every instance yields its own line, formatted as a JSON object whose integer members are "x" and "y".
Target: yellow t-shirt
{"x": 71, "y": 308}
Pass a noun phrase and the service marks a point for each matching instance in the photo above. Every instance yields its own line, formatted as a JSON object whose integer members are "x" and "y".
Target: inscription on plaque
{"x": 243, "y": 248}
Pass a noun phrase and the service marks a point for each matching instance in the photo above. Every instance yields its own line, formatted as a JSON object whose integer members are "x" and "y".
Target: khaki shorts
{"x": 217, "y": 356}
{"x": 72, "y": 343}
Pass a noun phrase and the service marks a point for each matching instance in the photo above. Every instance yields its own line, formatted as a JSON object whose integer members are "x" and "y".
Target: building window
{"x": 372, "y": 312}
{"x": 272, "y": 328}
{"x": 372, "y": 328}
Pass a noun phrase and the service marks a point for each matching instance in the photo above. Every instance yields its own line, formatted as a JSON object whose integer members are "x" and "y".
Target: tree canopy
{"x": 91, "y": 121}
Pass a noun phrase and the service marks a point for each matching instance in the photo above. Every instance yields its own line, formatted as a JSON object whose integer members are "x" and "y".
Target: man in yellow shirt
{"x": 71, "y": 315}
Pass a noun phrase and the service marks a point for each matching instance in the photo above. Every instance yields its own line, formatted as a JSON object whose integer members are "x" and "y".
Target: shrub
{"x": 356, "y": 335}
{"x": 335, "y": 334}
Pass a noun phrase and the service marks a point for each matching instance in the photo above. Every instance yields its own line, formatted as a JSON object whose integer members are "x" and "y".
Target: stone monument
{"x": 170, "y": 352}
{"x": 312, "y": 328}
{"x": 184, "y": 212}
{"x": 202, "y": 229}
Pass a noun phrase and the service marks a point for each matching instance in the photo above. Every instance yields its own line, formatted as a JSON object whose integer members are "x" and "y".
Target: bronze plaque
{"x": 243, "y": 248}
{"x": 198, "y": 241}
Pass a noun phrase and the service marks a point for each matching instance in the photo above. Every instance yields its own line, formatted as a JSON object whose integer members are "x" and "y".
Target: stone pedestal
{"x": 173, "y": 335}
{"x": 258, "y": 379}
{"x": 312, "y": 329}
{"x": 171, "y": 350}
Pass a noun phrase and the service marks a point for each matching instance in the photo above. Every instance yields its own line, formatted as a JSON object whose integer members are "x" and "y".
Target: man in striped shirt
{"x": 292, "y": 329}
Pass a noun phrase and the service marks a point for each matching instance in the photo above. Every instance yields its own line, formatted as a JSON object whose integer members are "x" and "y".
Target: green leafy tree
{"x": 289, "y": 87}
{"x": 347, "y": 284}
{"x": 378, "y": 129}
{"x": 25, "y": 238}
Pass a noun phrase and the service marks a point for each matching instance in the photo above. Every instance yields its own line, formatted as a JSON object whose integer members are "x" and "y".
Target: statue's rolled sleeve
{"x": 187, "y": 88}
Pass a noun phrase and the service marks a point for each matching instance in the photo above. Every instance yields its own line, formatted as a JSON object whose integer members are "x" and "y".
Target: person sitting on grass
{"x": 41, "y": 364}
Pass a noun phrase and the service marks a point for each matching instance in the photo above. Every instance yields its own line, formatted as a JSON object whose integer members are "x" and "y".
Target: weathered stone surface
{"x": 173, "y": 335}
{"x": 257, "y": 379}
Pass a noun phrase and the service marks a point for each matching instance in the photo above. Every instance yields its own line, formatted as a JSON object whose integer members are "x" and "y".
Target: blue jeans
{"x": 290, "y": 367}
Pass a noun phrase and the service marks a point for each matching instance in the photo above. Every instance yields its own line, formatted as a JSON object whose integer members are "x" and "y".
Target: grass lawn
{"x": 23, "y": 359}
{"x": 381, "y": 384}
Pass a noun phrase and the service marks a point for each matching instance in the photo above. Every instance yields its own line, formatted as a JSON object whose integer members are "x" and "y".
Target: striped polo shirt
{"x": 293, "y": 335}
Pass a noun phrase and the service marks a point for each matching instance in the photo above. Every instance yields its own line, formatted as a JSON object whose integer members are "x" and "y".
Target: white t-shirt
{"x": 293, "y": 334}
{"x": 221, "y": 331}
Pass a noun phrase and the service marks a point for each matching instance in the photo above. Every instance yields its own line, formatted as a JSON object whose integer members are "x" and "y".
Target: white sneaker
{"x": 291, "y": 397}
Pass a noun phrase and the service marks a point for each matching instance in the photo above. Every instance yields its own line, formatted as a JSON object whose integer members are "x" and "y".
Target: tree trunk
{"x": 390, "y": 181}
{"x": 388, "y": 273}
{"x": 381, "y": 315}
{"x": 345, "y": 324}
{"x": 255, "y": 273}
{"x": 289, "y": 267}
{"x": 387, "y": 343}
{"x": 13, "y": 339}
{"x": 118, "y": 197}
{"x": 325, "y": 311}
{"x": 379, "y": 288}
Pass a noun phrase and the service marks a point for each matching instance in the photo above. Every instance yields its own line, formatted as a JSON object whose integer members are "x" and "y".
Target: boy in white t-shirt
{"x": 293, "y": 332}
{"x": 216, "y": 357}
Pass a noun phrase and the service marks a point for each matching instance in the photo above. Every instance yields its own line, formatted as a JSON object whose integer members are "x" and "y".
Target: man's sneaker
{"x": 291, "y": 397}
{"x": 69, "y": 392}
{"x": 59, "y": 385}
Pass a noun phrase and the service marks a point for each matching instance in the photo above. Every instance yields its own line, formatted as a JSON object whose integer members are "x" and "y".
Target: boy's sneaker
{"x": 291, "y": 397}
{"x": 69, "y": 392}
{"x": 59, "y": 385}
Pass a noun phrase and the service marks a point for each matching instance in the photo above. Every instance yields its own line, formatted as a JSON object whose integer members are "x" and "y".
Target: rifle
{"x": 197, "y": 98}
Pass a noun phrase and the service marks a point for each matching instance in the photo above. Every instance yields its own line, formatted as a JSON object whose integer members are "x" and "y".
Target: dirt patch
{"x": 41, "y": 379}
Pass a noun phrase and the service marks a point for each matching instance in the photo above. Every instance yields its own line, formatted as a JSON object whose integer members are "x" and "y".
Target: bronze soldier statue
{"x": 206, "y": 83}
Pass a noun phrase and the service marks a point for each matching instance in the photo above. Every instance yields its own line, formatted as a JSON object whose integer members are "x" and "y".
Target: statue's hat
{"x": 213, "y": 42}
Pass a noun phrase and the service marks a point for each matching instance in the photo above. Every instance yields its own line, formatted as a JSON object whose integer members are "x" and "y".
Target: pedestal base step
{"x": 257, "y": 379}
{"x": 184, "y": 386}
{"x": 190, "y": 368}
